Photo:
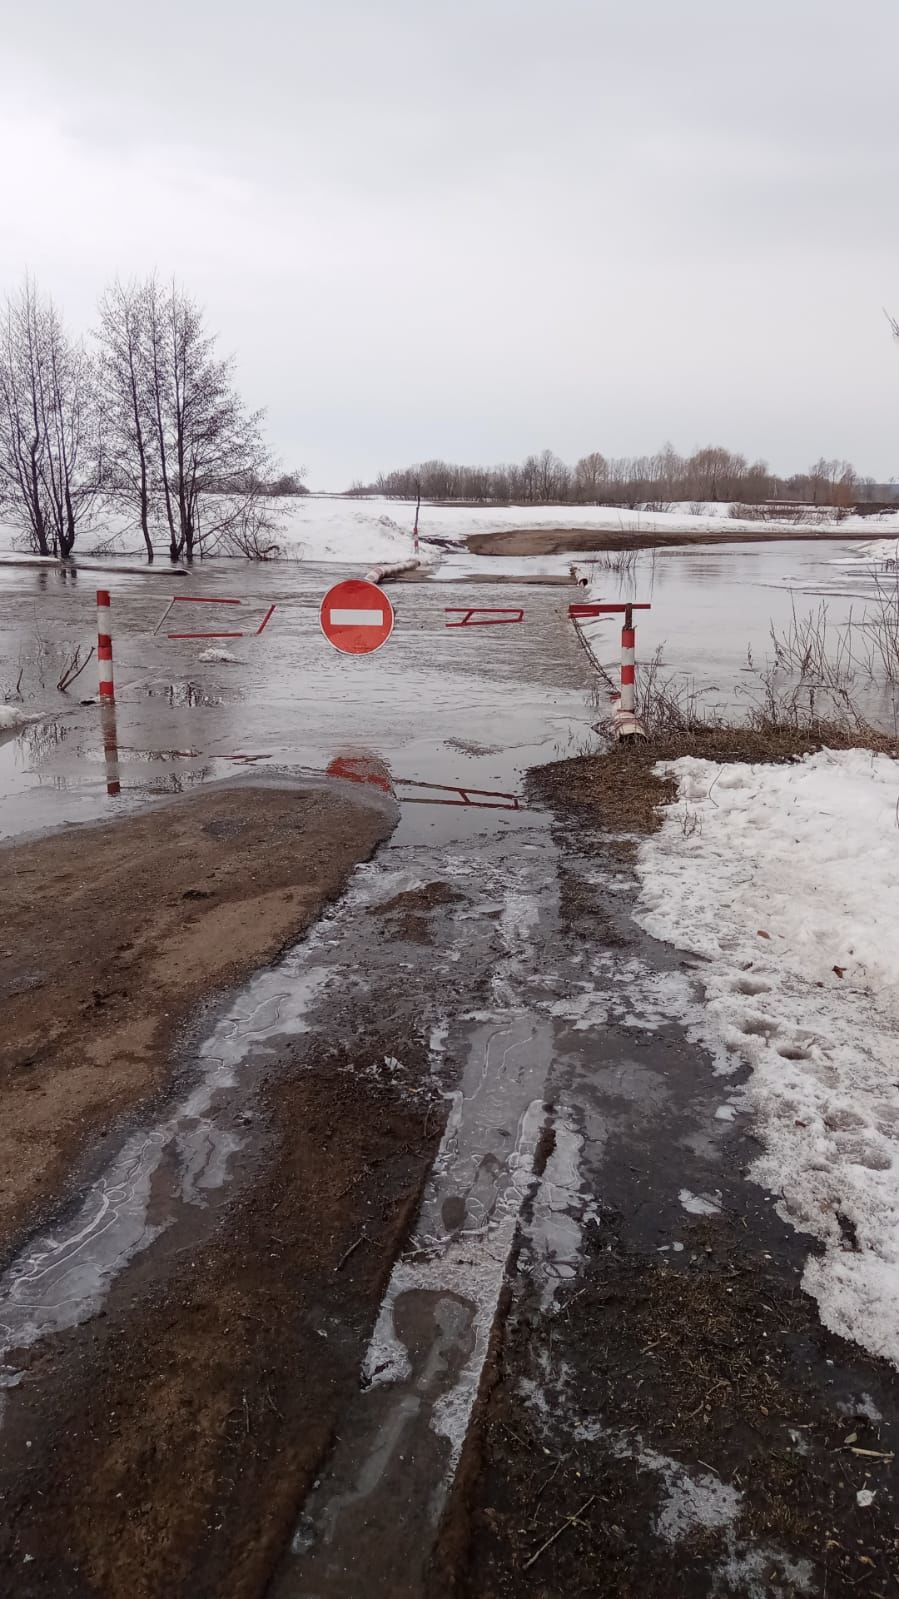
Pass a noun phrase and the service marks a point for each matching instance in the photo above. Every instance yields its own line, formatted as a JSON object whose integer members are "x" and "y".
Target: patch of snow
{"x": 875, "y": 552}
{"x": 691, "y": 1502}
{"x": 222, "y": 656}
{"x": 12, "y": 716}
{"x": 788, "y": 892}
{"x": 861, "y": 1407}
{"x": 798, "y": 1440}
{"x": 700, "y": 1204}
{"x": 629, "y": 993}
{"x": 561, "y": 1207}
{"x": 748, "y": 1571}
{"x": 322, "y": 527}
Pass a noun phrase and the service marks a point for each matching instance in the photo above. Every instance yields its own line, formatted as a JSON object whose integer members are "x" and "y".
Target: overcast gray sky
{"x": 472, "y": 229}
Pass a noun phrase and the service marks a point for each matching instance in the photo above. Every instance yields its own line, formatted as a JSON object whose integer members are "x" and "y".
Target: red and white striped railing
{"x": 205, "y": 599}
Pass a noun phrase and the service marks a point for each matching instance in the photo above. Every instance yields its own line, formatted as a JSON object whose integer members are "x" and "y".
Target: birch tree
{"x": 184, "y": 452}
{"x": 209, "y": 450}
{"x": 123, "y": 374}
{"x": 50, "y": 435}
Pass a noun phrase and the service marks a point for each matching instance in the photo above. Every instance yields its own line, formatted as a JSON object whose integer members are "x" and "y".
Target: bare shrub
{"x": 812, "y": 648}
{"x": 878, "y": 636}
{"x": 73, "y": 668}
{"x": 805, "y": 708}
{"x": 672, "y": 703}
{"x": 621, "y": 561}
{"x": 833, "y": 658}
{"x": 251, "y": 537}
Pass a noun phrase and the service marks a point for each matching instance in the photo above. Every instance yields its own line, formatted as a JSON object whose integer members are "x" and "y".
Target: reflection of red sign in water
{"x": 362, "y": 769}
{"x": 356, "y": 617}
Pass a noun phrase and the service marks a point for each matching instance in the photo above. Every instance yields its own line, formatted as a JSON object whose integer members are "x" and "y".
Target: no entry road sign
{"x": 356, "y": 617}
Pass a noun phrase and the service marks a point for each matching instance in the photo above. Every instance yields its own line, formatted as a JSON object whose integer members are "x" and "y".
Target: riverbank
{"x": 562, "y": 541}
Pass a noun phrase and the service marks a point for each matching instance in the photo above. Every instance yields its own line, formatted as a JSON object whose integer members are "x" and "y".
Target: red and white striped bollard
{"x": 110, "y": 747}
{"x": 104, "y": 648}
{"x": 626, "y": 721}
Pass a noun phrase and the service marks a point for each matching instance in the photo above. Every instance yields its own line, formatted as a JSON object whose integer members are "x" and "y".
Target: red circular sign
{"x": 356, "y": 617}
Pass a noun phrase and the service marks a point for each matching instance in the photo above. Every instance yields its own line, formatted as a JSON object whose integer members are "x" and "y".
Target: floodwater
{"x": 473, "y": 705}
{"x": 454, "y": 706}
{"x": 713, "y": 609}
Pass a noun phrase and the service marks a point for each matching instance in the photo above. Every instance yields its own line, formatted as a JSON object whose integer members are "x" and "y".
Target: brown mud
{"x": 114, "y": 933}
{"x": 167, "y": 1446}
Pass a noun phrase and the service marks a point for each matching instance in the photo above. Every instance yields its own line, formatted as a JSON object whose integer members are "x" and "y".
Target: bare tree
{"x": 591, "y": 476}
{"x": 125, "y": 394}
{"x": 187, "y": 453}
{"x": 50, "y": 435}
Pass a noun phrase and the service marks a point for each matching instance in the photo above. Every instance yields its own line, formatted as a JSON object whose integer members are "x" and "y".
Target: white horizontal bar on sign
{"x": 340, "y": 618}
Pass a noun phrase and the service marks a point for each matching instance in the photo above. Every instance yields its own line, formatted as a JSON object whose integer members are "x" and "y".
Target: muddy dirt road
{"x": 214, "y": 1331}
{"x": 115, "y": 934}
{"x": 182, "y": 1336}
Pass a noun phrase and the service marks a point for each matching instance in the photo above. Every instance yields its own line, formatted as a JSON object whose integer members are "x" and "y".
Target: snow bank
{"x": 878, "y": 550}
{"x": 785, "y": 879}
{"x": 12, "y": 716}
{"x": 331, "y": 528}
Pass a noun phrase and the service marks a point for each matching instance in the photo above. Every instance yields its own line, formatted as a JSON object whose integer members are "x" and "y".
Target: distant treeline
{"x": 651, "y": 480}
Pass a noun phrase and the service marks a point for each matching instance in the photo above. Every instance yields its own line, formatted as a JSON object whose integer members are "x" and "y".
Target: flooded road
{"x": 454, "y": 706}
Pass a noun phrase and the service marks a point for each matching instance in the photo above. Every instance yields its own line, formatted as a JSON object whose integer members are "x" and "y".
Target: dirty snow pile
{"x": 785, "y": 879}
